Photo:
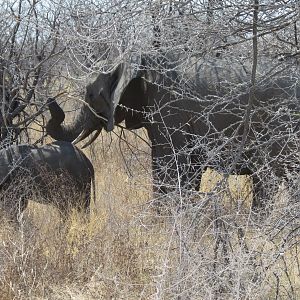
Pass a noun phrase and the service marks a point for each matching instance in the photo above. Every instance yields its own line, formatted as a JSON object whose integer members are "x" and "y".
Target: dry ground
{"x": 215, "y": 248}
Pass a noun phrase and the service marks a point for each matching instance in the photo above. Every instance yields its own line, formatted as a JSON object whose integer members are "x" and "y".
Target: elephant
{"x": 43, "y": 171}
{"x": 195, "y": 117}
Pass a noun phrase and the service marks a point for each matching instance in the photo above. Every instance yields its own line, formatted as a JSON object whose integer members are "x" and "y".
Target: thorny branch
{"x": 212, "y": 246}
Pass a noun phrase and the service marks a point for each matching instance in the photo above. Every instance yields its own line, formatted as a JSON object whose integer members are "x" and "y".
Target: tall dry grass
{"x": 215, "y": 248}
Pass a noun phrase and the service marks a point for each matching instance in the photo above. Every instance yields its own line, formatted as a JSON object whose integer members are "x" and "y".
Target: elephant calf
{"x": 58, "y": 174}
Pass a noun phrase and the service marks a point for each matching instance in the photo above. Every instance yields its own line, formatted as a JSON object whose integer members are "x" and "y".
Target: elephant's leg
{"x": 198, "y": 178}
{"x": 259, "y": 189}
{"x": 158, "y": 179}
{"x": 175, "y": 172}
{"x": 175, "y": 180}
{"x": 169, "y": 171}
{"x": 197, "y": 168}
{"x": 175, "y": 165}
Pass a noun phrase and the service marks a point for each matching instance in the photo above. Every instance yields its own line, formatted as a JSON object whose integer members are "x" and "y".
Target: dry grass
{"x": 128, "y": 251}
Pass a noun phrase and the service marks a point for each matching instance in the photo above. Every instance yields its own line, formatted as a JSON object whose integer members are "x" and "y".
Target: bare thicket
{"x": 208, "y": 245}
{"x": 30, "y": 52}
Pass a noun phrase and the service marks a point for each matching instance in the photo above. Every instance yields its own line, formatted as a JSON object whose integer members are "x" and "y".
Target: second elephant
{"x": 56, "y": 173}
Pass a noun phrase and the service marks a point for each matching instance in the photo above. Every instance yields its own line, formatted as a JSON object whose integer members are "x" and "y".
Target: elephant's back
{"x": 230, "y": 75}
{"x": 12, "y": 157}
{"x": 64, "y": 156}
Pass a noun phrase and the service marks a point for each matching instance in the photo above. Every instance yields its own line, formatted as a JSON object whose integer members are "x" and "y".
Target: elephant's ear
{"x": 122, "y": 76}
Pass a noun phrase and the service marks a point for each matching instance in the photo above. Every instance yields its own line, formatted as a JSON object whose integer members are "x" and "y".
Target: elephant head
{"x": 101, "y": 110}
{"x": 121, "y": 86}
{"x": 123, "y": 94}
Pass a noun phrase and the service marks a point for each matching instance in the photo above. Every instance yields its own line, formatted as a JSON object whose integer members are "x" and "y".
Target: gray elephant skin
{"x": 194, "y": 117}
{"x": 43, "y": 171}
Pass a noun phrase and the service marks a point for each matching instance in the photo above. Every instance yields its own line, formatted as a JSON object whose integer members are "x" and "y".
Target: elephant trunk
{"x": 83, "y": 122}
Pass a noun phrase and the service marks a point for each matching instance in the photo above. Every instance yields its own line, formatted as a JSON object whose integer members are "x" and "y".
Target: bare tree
{"x": 212, "y": 249}
{"x": 29, "y": 56}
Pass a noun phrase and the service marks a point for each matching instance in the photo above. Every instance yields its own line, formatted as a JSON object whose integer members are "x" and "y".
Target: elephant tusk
{"x": 84, "y": 133}
{"x": 92, "y": 139}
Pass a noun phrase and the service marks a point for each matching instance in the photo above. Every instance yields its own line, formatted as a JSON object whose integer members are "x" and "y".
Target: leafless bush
{"x": 206, "y": 245}
{"x": 30, "y": 52}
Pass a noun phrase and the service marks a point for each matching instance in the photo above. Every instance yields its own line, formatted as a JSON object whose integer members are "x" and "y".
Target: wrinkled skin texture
{"x": 29, "y": 170}
{"x": 195, "y": 119}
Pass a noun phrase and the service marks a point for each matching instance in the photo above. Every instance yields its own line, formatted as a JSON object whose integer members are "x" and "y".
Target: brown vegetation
{"x": 129, "y": 251}
{"x": 210, "y": 245}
